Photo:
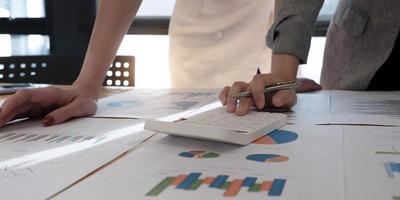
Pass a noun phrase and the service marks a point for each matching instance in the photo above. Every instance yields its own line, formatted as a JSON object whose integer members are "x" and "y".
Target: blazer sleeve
{"x": 292, "y": 30}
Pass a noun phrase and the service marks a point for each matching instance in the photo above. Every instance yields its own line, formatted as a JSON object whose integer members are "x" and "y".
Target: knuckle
{"x": 23, "y": 93}
{"x": 237, "y": 84}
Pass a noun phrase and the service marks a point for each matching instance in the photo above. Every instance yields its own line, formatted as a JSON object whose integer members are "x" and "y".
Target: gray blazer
{"x": 360, "y": 38}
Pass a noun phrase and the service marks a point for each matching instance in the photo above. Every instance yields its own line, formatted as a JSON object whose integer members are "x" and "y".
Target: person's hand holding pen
{"x": 284, "y": 70}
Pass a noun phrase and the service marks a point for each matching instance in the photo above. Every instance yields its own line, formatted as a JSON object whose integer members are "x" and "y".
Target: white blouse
{"x": 216, "y": 42}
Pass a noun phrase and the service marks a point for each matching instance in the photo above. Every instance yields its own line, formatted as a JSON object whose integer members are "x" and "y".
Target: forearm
{"x": 112, "y": 22}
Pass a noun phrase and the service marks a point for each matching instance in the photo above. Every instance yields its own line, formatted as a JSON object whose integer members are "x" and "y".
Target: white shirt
{"x": 216, "y": 42}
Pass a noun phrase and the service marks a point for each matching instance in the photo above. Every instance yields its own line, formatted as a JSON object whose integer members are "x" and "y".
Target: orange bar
{"x": 208, "y": 180}
{"x": 266, "y": 185}
{"x": 233, "y": 188}
{"x": 265, "y": 140}
{"x": 178, "y": 180}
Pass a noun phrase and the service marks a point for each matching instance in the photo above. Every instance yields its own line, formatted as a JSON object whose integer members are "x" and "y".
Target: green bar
{"x": 396, "y": 198}
{"x": 255, "y": 188}
{"x": 210, "y": 155}
{"x": 160, "y": 187}
{"x": 225, "y": 185}
{"x": 196, "y": 185}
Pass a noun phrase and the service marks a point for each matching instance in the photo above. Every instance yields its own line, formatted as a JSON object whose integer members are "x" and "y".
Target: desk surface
{"x": 339, "y": 145}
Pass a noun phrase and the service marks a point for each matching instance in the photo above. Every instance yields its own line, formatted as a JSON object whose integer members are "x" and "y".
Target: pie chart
{"x": 268, "y": 158}
{"x": 277, "y": 137}
{"x": 198, "y": 154}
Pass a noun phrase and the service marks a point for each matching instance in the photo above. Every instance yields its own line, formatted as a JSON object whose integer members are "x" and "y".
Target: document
{"x": 311, "y": 108}
{"x": 372, "y": 162}
{"x": 28, "y": 142}
{"x": 372, "y": 108}
{"x": 155, "y": 103}
{"x": 279, "y": 166}
{"x": 45, "y": 179}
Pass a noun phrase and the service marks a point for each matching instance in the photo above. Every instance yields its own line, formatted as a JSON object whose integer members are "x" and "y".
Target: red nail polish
{"x": 48, "y": 120}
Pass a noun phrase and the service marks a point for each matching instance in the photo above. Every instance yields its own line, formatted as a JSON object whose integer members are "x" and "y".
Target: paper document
{"x": 374, "y": 108}
{"x": 30, "y": 142}
{"x": 311, "y": 108}
{"x": 44, "y": 179}
{"x": 372, "y": 163}
{"x": 155, "y": 103}
{"x": 279, "y": 166}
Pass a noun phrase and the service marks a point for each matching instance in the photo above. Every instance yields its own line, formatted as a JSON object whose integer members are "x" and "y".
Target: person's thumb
{"x": 77, "y": 108}
{"x": 284, "y": 98}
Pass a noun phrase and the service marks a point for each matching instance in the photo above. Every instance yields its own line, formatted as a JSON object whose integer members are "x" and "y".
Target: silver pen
{"x": 276, "y": 87}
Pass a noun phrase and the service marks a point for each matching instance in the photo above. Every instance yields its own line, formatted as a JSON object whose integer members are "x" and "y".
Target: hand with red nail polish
{"x": 53, "y": 104}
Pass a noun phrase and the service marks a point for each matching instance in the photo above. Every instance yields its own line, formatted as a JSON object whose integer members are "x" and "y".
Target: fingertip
{"x": 231, "y": 108}
{"x": 260, "y": 103}
{"x": 48, "y": 120}
{"x": 241, "y": 111}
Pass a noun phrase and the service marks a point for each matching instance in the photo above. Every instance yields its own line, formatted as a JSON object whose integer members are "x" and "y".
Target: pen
{"x": 276, "y": 87}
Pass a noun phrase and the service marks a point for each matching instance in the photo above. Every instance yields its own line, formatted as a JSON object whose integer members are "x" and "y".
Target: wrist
{"x": 87, "y": 88}
{"x": 285, "y": 67}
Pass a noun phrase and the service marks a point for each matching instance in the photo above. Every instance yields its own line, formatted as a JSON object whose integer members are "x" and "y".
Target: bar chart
{"x": 198, "y": 154}
{"x": 277, "y": 137}
{"x": 230, "y": 188}
{"x": 267, "y": 158}
{"x": 392, "y": 168}
{"x": 14, "y": 137}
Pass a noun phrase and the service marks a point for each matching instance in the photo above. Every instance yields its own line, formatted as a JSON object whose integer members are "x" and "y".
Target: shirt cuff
{"x": 290, "y": 35}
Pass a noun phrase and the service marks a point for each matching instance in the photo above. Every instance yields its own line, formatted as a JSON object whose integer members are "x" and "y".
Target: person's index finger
{"x": 232, "y": 101}
{"x": 18, "y": 99}
{"x": 9, "y": 109}
{"x": 257, "y": 90}
{"x": 48, "y": 96}
{"x": 223, "y": 95}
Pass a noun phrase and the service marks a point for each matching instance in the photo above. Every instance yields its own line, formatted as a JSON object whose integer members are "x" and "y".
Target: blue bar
{"x": 219, "y": 181}
{"x": 190, "y": 179}
{"x": 398, "y": 167}
{"x": 388, "y": 170}
{"x": 393, "y": 167}
{"x": 249, "y": 181}
{"x": 277, "y": 187}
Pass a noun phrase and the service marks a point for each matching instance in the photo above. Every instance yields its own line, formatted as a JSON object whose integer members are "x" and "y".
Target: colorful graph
{"x": 277, "y": 137}
{"x": 192, "y": 181}
{"x": 269, "y": 158}
{"x": 392, "y": 168}
{"x": 199, "y": 154}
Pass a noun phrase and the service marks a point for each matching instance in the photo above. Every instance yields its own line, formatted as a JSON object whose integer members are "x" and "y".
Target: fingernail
{"x": 48, "y": 120}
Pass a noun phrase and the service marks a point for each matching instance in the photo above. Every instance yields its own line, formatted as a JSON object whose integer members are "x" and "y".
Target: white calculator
{"x": 219, "y": 125}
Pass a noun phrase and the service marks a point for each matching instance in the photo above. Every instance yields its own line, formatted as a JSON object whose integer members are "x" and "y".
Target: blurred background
{"x": 44, "y": 27}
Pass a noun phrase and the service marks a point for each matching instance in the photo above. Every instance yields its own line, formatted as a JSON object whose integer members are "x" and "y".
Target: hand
{"x": 281, "y": 99}
{"x": 307, "y": 85}
{"x": 55, "y": 104}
